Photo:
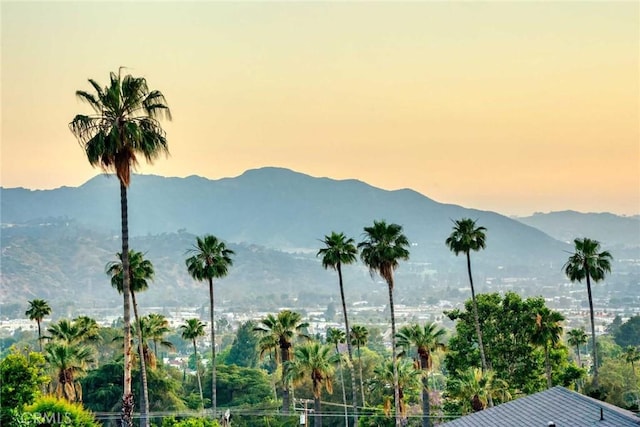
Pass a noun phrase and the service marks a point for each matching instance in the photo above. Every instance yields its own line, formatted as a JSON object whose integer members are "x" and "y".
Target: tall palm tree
{"x": 140, "y": 273}
{"x": 425, "y": 339}
{"x": 193, "y": 329}
{"x": 632, "y": 355}
{"x": 337, "y": 336}
{"x": 359, "y": 336}
{"x": 588, "y": 262}
{"x": 124, "y": 126}
{"x": 210, "y": 260}
{"x": 383, "y": 246}
{"x": 38, "y": 309}
{"x": 282, "y": 329}
{"x": 546, "y": 334}
{"x": 466, "y": 237}
{"x": 341, "y": 250}
{"x": 315, "y": 360}
{"x": 69, "y": 362}
{"x": 404, "y": 373}
{"x": 577, "y": 337}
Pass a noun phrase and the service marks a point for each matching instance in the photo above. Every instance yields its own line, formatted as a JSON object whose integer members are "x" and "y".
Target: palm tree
{"x": 587, "y": 262}
{"x": 631, "y": 355}
{"x": 359, "y": 336}
{"x": 466, "y": 237}
{"x": 79, "y": 331}
{"x": 383, "y": 246}
{"x": 404, "y": 373}
{"x": 158, "y": 326}
{"x": 315, "y": 360}
{"x": 140, "y": 273}
{"x": 577, "y": 337}
{"x": 335, "y": 337}
{"x": 193, "y": 329}
{"x": 341, "y": 250}
{"x": 38, "y": 309}
{"x": 425, "y": 339}
{"x": 282, "y": 330}
{"x": 546, "y": 334}
{"x": 69, "y": 361}
{"x": 210, "y": 259}
{"x": 474, "y": 388}
{"x": 124, "y": 126}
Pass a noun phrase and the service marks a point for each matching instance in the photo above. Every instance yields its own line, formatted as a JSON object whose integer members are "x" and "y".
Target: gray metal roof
{"x": 564, "y": 407}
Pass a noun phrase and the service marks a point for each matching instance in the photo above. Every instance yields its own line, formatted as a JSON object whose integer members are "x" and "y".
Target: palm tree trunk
{"x": 39, "y": 335}
{"x": 361, "y": 381}
{"x": 284, "y": 357}
{"x": 426, "y": 404}
{"x": 344, "y": 394}
{"x": 354, "y": 393}
{"x": 593, "y": 332}
{"x": 127, "y": 395}
{"x": 396, "y": 389}
{"x": 144, "y": 419}
{"x": 195, "y": 356}
{"x": 317, "y": 413}
{"x": 476, "y": 319}
{"x": 214, "y": 397}
{"x": 578, "y": 351}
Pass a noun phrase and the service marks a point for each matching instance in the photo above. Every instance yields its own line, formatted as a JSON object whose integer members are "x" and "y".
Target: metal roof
{"x": 559, "y": 405}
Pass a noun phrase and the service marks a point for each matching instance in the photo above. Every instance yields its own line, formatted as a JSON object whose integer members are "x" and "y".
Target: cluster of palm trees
{"x": 125, "y": 126}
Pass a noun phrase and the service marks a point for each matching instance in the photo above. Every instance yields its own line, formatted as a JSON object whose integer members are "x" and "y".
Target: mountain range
{"x": 274, "y": 218}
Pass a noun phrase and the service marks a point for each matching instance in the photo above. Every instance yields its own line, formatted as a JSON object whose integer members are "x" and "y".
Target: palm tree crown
{"x": 38, "y": 309}
{"x": 383, "y": 246}
{"x": 577, "y": 337}
{"x": 141, "y": 271}
{"x": 466, "y": 237}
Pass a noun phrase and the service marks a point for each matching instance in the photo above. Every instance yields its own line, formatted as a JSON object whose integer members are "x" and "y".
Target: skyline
{"x": 511, "y": 107}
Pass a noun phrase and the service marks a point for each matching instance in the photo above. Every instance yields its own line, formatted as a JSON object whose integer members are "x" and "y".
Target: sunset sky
{"x": 515, "y": 107}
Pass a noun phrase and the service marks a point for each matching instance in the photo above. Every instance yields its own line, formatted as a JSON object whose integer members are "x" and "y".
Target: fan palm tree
{"x": 193, "y": 329}
{"x": 81, "y": 330}
{"x": 158, "y": 326}
{"x": 315, "y": 360}
{"x": 473, "y": 388}
{"x": 577, "y": 337}
{"x": 546, "y": 334}
{"x": 588, "y": 262}
{"x": 404, "y": 373}
{"x": 340, "y": 250}
{"x": 140, "y": 273}
{"x": 383, "y": 246}
{"x": 282, "y": 329}
{"x": 425, "y": 339}
{"x": 38, "y": 309}
{"x": 335, "y": 337}
{"x": 359, "y": 336}
{"x": 210, "y": 260}
{"x": 632, "y": 355}
{"x": 69, "y": 362}
{"x": 123, "y": 127}
{"x": 466, "y": 237}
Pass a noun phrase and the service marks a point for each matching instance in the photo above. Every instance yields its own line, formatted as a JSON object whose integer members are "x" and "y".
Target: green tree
{"x": 473, "y": 388}
{"x": 632, "y": 355}
{"x": 577, "y": 337}
{"x": 405, "y": 375}
{"x": 38, "y": 309}
{"x": 244, "y": 348}
{"x": 340, "y": 250}
{"x": 335, "y": 337}
{"x": 359, "y": 336}
{"x": 316, "y": 361}
{"x": 383, "y": 247}
{"x": 82, "y": 330}
{"x": 69, "y": 362}
{"x": 467, "y": 237}
{"x": 155, "y": 326}
{"x": 191, "y": 330}
{"x": 280, "y": 331}
{"x": 124, "y": 126}
{"x": 547, "y": 334}
{"x": 21, "y": 377}
{"x": 629, "y": 332}
{"x": 140, "y": 273}
{"x": 52, "y": 411}
{"x": 589, "y": 263}
{"x": 210, "y": 260}
{"x": 425, "y": 339}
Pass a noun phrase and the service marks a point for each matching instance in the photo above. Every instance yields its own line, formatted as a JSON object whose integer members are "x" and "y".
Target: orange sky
{"x": 507, "y": 106}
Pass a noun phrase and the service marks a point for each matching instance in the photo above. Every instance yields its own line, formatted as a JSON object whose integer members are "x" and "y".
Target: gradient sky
{"x": 507, "y": 106}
